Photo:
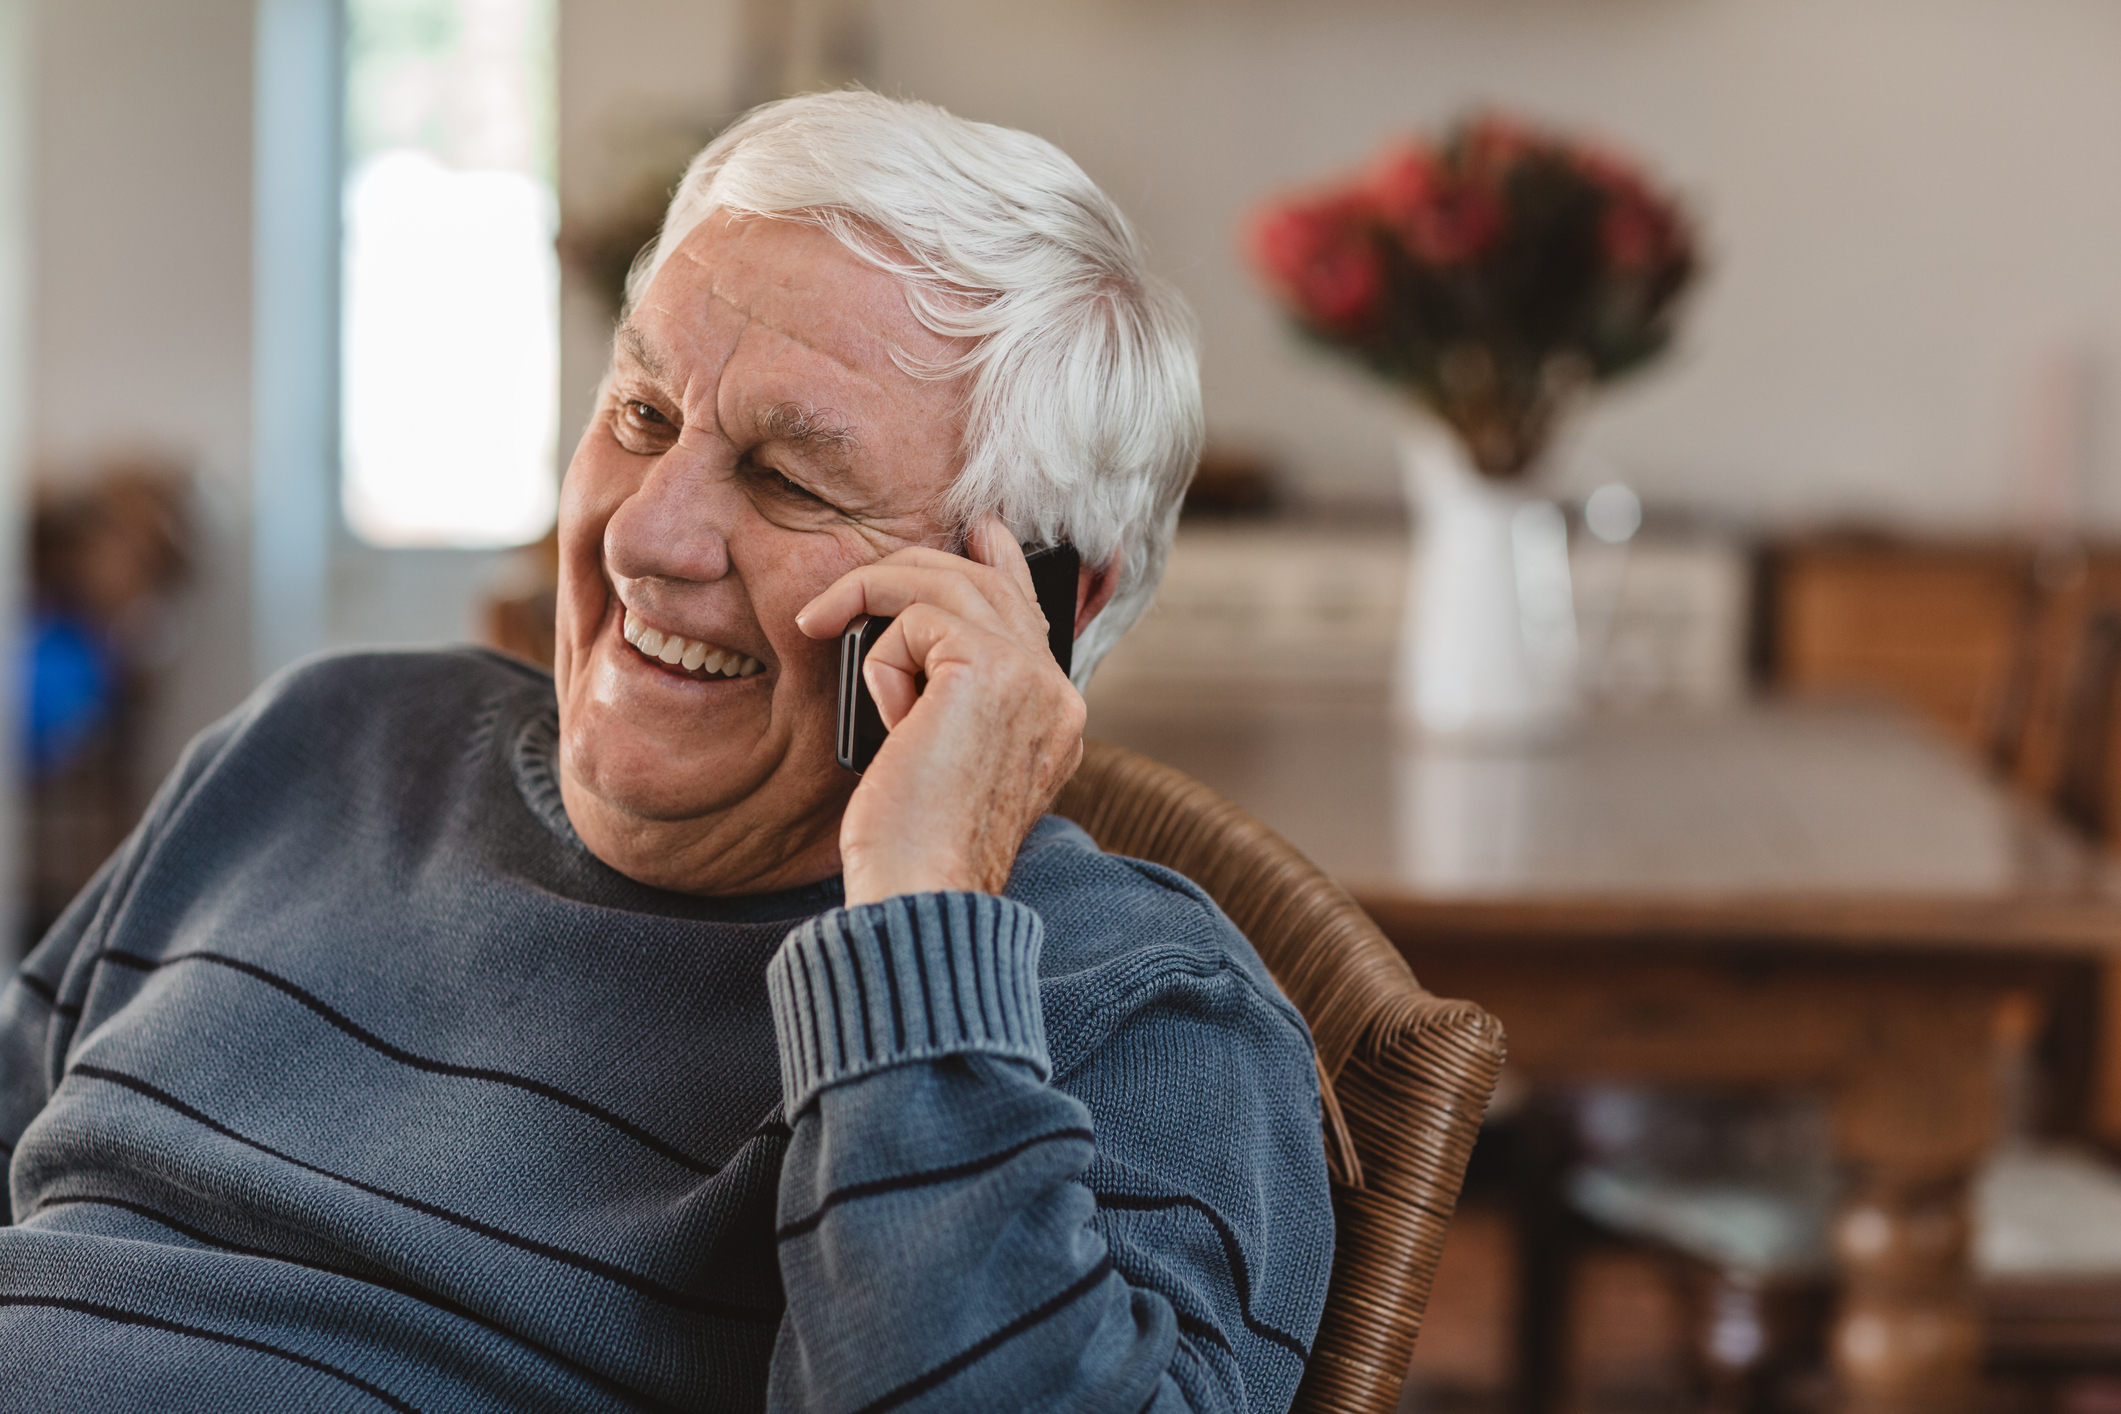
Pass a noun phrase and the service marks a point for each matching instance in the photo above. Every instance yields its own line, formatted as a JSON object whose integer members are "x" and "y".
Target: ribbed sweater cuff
{"x": 915, "y": 977}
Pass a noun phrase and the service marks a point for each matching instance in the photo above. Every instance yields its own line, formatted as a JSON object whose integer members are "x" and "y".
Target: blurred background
{"x": 303, "y": 304}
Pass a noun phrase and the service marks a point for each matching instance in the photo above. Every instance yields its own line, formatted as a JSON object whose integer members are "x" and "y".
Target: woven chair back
{"x": 1405, "y": 1075}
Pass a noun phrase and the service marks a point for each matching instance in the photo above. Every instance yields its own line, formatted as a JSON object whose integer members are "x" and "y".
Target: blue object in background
{"x": 72, "y": 690}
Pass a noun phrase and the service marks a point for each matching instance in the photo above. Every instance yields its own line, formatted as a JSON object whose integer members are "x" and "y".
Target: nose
{"x": 672, "y": 528}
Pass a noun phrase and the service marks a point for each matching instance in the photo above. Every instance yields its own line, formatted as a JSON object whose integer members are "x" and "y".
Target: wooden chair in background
{"x": 1405, "y": 1076}
{"x": 1937, "y": 627}
{"x": 2083, "y": 791}
{"x": 1989, "y": 642}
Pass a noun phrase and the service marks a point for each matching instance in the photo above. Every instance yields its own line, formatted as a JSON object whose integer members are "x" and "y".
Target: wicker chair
{"x": 1405, "y": 1076}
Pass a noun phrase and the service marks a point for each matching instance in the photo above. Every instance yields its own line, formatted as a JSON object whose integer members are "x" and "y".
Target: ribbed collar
{"x": 534, "y": 748}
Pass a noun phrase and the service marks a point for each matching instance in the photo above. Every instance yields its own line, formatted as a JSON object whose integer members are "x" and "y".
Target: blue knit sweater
{"x": 354, "y": 1082}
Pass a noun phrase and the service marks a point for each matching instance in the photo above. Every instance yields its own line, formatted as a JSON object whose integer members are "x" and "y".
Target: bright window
{"x": 450, "y": 361}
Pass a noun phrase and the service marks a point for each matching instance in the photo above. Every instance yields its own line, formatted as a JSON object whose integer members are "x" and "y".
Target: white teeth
{"x": 689, "y": 654}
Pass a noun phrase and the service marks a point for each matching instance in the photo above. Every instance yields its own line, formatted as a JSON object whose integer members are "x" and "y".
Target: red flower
{"x": 1422, "y": 258}
{"x": 1323, "y": 255}
{"x": 1633, "y": 236}
{"x": 1491, "y": 143}
{"x": 1405, "y": 178}
{"x": 1441, "y": 217}
{"x": 1640, "y": 230}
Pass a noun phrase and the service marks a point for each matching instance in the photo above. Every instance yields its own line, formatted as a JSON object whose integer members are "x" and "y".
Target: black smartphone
{"x": 1054, "y": 573}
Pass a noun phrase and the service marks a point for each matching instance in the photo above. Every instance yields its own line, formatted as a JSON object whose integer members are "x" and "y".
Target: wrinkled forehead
{"x": 782, "y": 288}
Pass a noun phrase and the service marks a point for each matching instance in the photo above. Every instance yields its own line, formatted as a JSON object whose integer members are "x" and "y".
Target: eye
{"x": 792, "y": 488}
{"x": 641, "y": 427}
{"x": 768, "y": 482}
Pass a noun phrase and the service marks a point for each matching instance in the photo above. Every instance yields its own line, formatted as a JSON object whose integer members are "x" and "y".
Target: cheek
{"x": 595, "y": 486}
{"x": 786, "y": 572}
{"x": 599, "y": 478}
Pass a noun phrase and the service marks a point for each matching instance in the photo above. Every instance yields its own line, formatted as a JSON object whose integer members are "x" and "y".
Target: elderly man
{"x": 442, "y": 1041}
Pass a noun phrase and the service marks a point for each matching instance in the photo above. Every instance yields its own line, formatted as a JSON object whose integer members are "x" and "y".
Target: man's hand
{"x": 974, "y": 757}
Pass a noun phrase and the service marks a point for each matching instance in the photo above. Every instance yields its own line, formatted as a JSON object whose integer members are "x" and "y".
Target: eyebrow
{"x": 636, "y": 346}
{"x": 812, "y": 429}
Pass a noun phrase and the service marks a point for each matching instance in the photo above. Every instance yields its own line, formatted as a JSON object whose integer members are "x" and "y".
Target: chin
{"x": 722, "y": 822}
{"x": 645, "y": 776}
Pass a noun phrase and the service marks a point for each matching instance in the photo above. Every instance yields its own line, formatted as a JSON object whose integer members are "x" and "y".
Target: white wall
{"x": 635, "y": 76}
{"x": 1910, "y": 205}
{"x": 141, "y": 288}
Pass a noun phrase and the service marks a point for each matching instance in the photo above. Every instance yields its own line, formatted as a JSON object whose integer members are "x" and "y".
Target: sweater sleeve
{"x": 940, "y": 1241}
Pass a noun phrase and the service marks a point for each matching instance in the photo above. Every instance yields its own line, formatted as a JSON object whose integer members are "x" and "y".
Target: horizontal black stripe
{"x": 595, "y": 1266}
{"x": 925, "y": 1178}
{"x": 206, "y": 1239}
{"x": 1202, "y": 1330}
{"x": 354, "y": 1029}
{"x": 1123, "y": 1258}
{"x": 410, "y": 1290}
{"x": 137, "y": 1318}
{"x": 921, "y": 1384}
{"x": 49, "y": 995}
{"x": 1232, "y": 1253}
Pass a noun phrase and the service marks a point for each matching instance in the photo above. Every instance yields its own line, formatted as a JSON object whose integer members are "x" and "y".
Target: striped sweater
{"x": 354, "y": 1082}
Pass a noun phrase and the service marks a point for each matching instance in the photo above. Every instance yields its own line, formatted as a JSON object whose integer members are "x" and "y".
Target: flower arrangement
{"x": 1494, "y": 276}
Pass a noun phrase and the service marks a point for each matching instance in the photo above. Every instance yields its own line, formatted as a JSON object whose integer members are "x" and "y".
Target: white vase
{"x": 1488, "y": 644}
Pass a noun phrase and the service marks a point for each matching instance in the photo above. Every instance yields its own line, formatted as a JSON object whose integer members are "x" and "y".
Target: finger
{"x": 892, "y": 585}
{"x": 914, "y": 636}
{"x": 1007, "y": 585}
{"x": 990, "y": 543}
{"x": 887, "y": 590}
{"x": 900, "y": 655}
{"x": 997, "y": 582}
{"x": 893, "y": 688}
{"x": 934, "y": 642}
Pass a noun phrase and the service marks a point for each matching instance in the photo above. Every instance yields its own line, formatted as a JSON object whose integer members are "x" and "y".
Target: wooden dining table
{"x": 1824, "y": 896}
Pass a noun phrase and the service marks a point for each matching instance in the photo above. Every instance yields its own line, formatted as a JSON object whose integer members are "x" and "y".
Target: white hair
{"x": 1082, "y": 411}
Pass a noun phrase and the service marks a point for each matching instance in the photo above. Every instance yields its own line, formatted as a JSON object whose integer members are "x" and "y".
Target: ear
{"x": 1094, "y": 588}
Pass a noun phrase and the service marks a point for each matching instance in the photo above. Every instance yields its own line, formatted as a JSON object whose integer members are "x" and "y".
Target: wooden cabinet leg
{"x": 1547, "y": 1249}
{"x": 1907, "y": 1338}
{"x": 1914, "y": 1120}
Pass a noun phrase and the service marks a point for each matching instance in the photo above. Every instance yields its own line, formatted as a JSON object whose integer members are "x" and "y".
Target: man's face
{"x": 756, "y": 441}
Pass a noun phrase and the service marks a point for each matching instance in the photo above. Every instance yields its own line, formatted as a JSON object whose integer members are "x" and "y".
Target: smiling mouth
{"x": 688, "y": 655}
